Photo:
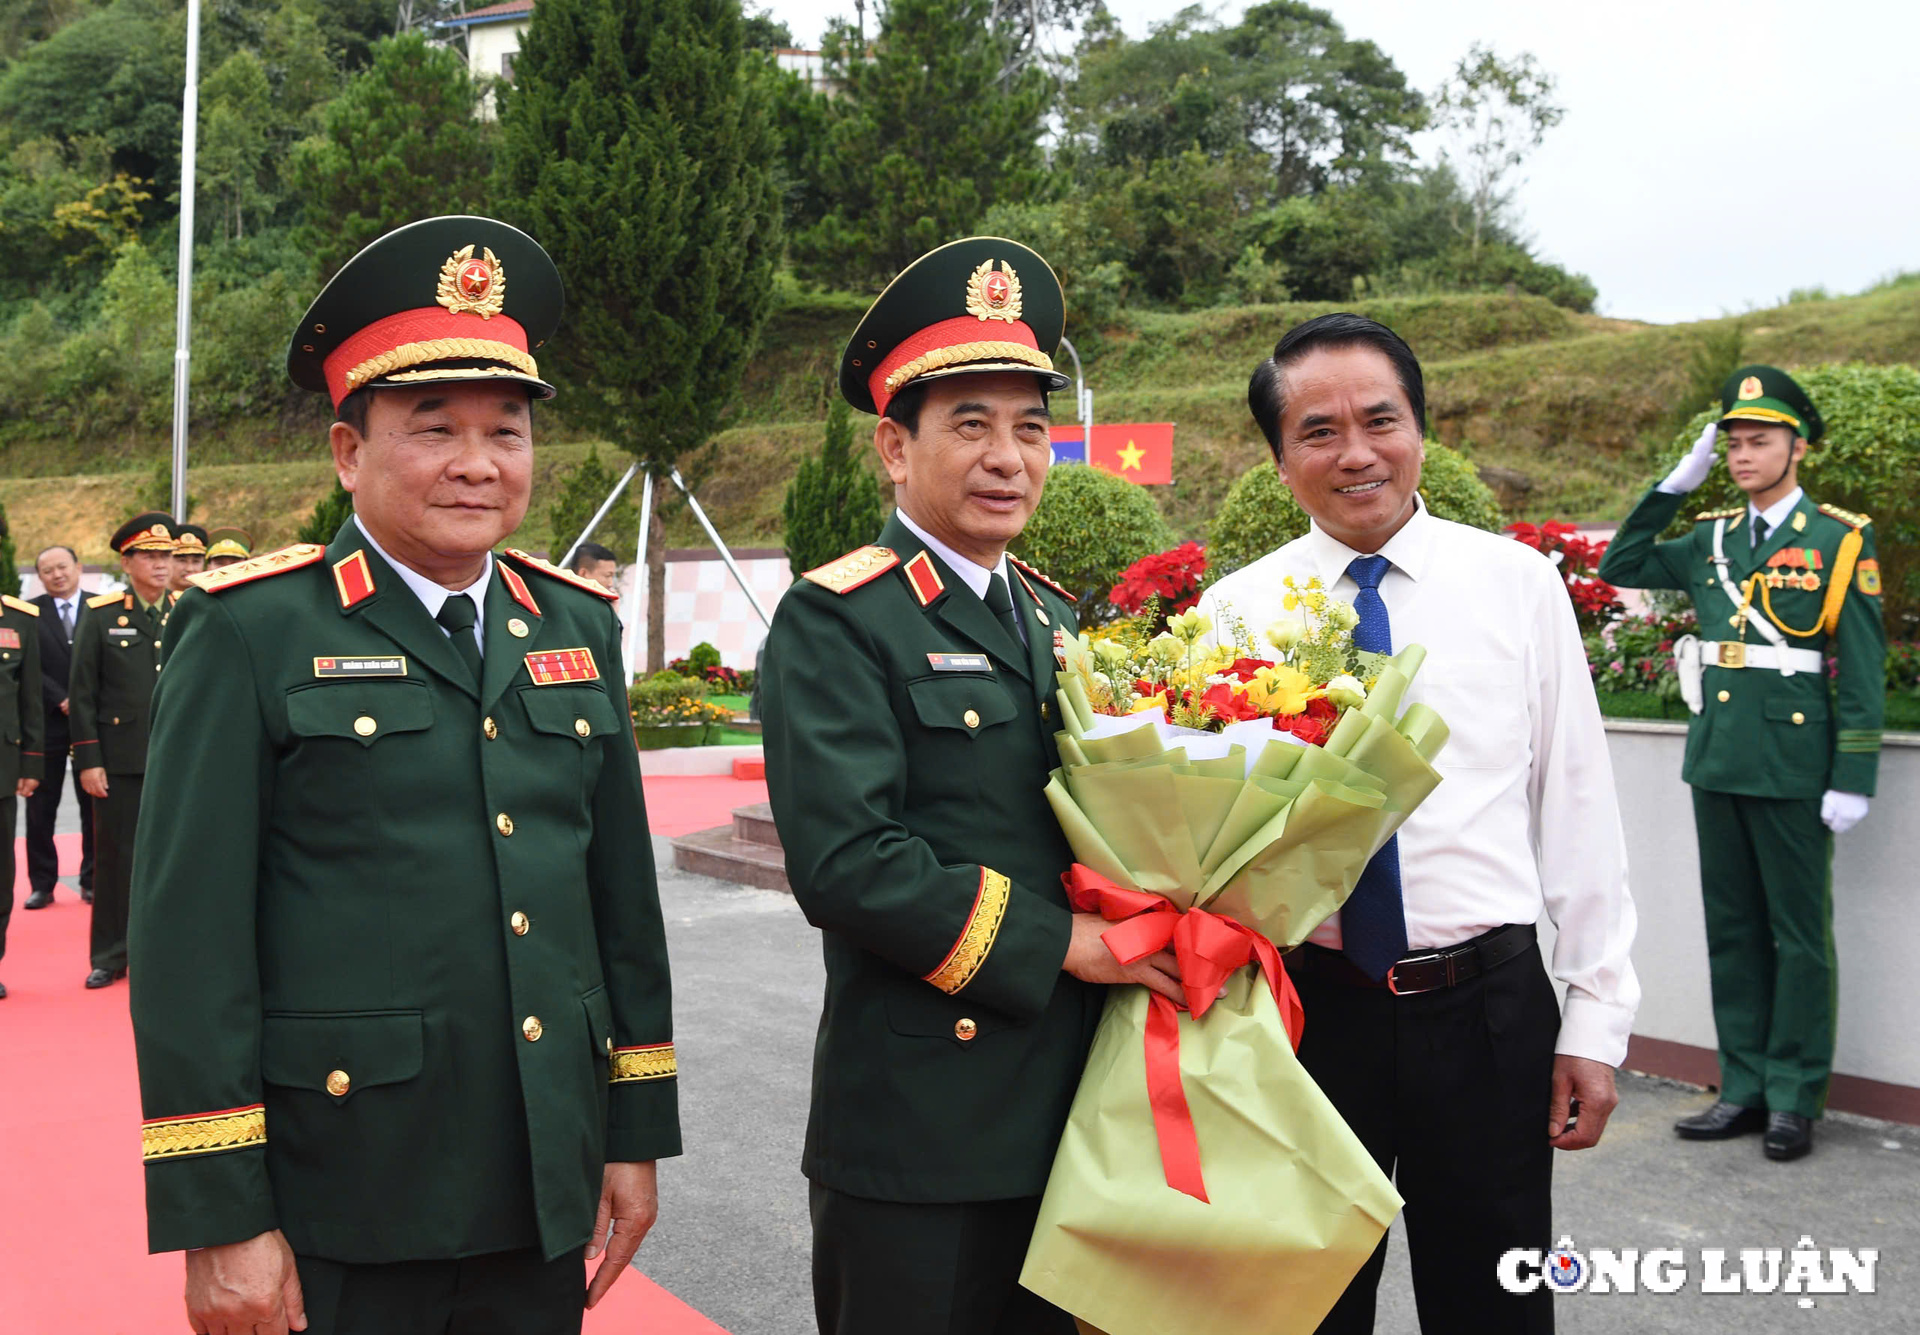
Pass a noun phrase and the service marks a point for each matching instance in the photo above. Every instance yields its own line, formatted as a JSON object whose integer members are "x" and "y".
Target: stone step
{"x": 719, "y": 854}
{"x": 754, "y": 825}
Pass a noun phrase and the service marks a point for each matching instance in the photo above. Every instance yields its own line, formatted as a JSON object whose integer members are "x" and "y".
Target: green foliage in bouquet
{"x": 1260, "y": 514}
{"x": 1090, "y": 526}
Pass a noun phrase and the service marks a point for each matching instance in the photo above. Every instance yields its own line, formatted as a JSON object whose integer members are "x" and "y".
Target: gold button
{"x": 1725, "y": 696}
{"x": 518, "y": 628}
{"x": 520, "y": 923}
{"x": 1041, "y": 617}
{"x": 489, "y": 727}
{"x": 1798, "y": 717}
{"x": 582, "y": 728}
{"x": 338, "y": 1083}
{"x": 1046, "y": 709}
{"x": 971, "y": 719}
{"x": 964, "y": 1030}
{"x": 503, "y": 823}
{"x": 532, "y": 1028}
{"x": 364, "y": 725}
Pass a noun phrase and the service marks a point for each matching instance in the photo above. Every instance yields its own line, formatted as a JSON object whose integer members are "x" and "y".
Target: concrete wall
{"x": 1876, "y": 909}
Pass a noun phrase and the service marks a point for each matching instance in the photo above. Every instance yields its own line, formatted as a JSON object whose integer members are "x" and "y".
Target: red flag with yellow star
{"x": 1137, "y": 451}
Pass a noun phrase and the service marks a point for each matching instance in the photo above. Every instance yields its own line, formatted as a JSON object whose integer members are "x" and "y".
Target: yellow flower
{"x": 1146, "y": 702}
{"x": 1280, "y": 690}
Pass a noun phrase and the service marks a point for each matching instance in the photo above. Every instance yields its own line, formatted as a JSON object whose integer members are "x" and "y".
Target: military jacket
{"x": 22, "y": 711}
{"x": 400, "y": 985}
{"x": 116, "y": 660}
{"x": 908, "y": 742}
{"x": 1761, "y": 733}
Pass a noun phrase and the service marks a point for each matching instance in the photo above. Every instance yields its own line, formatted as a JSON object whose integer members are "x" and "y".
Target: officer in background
{"x": 402, "y": 1013}
{"x": 228, "y": 545}
{"x": 908, "y": 740}
{"x": 116, "y": 658}
{"x": 62, "y": 606}
{"x": 22, "y": 731}
{"x": 189, "y": 555}
{"x": 1779, "y": 762}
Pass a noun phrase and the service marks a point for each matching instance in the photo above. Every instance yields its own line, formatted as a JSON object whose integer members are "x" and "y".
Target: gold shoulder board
{"x": 552, "y": 571}
{"x": 1708, "y": 516}
{"x": 1042, "y": 578}
{"x": 19, "y": 604}
{"x": 104, "y": 599}
{"x": 859, "y": 566}
{"x": 1846, "y": 517}
{"x": 273, "y": 563}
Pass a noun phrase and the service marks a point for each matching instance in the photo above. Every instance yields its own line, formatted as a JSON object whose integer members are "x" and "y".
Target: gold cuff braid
{"x": 989, "y": 351}
{"x": 440, "y": 350}
{"x": 977, "y": 937}
{"x": 636, "y": 1064}
{"x": 176, "y": 1137}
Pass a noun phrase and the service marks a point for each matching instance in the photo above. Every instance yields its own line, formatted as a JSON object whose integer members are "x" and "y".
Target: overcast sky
{"x": 1715, "y": 154}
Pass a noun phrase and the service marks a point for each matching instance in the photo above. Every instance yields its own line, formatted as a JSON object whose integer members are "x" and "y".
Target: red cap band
{"x": 415, "y": 337}
{"x": 965, "y": 338}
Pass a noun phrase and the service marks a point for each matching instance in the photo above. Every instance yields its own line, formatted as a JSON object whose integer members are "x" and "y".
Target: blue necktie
{"x": 1373, "y": 922}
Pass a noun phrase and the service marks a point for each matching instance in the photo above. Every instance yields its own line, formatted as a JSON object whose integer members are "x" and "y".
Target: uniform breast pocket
{"x": 1485, "y": 705}
{"x": 361, "y": 746}
{"x": 960, "y": 706}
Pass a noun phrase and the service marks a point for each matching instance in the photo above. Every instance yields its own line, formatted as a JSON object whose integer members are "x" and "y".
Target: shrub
{"x": 1260, "y": 513}
{"x": 1595, "y": 602}
{"x": 832, "y": 504}
{"x": 1090, "y": 526}
{"x": 1869, "y": 463}
{"x": 670, "y": 700}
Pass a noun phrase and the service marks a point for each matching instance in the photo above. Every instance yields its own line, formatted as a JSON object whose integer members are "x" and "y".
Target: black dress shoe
{"x": 86, "y": 896}
{"x": 119, "y": 973}
{"x": 100, "y": 978}
{"x": 3, "y": 991}
{"x": 1789, "y": 1136}
{"x": 1723, "y": 1121}
{"x": 39, "y": 899}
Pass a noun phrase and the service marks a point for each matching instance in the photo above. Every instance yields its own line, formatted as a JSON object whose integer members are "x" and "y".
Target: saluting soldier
{"x": 907, "y": 692}
{"x": 189, "y": 555}
{"x": 22, "y": 731}
{"x": 116, "y": 660}
{"x": 402, "y": 1012}
{"x": 1780, "y": 761}
{"x": 228, "y": 545}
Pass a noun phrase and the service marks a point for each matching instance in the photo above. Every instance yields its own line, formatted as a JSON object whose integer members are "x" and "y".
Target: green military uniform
{"x": 403, "y": 991}
{"x": 1766, "y": 745}
{"x": 22, "y": 728}
{"x": 116, "y": 660}
{"x": 908, "y": 741}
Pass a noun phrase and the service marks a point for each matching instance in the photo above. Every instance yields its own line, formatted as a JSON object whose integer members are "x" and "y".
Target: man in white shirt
{"x": 61, "y": 607}
{"x": 1431, "y": 1023}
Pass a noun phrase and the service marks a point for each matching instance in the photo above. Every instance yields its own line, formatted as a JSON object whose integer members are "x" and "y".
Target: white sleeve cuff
{"x": 1593, "y": 1029}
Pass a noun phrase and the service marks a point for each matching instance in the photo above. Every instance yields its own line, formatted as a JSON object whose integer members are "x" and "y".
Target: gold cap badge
{"x": 470, "y": 283}
{"x": 1750, "y": 388}
{"x": 994, "y": 294}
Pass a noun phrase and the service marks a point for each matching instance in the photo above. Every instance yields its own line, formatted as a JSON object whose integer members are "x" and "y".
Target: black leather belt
{"x": 1422, "y": 970}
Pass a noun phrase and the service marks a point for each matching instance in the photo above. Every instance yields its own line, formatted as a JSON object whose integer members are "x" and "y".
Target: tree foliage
{"x": 1088, "y": 527}
{"x": 1496, "y": 112}
{"x": 329, "y": 513}
{"x": 581, "y": 494}
{"x": 833, "y": 503}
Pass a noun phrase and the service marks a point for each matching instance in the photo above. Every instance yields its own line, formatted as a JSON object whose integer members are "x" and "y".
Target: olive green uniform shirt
{"x": 116, "y": 660}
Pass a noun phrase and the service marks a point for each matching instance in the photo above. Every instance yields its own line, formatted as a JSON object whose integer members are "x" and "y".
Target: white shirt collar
{"x": 434, "y": 596}
{"x": 1776, "y": 514}
{"x": 1407, "y": 551}
{"x": 976, "y": 576}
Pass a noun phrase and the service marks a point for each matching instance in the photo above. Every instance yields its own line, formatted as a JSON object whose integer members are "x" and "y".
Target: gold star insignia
{"x": 1130, "y": 457}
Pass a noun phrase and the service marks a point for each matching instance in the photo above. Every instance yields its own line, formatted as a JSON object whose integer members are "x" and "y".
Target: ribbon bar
{"x": 1209, "y": 948}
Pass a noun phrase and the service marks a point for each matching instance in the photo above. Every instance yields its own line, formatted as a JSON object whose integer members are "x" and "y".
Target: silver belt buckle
{"x": 1393, "y": 984}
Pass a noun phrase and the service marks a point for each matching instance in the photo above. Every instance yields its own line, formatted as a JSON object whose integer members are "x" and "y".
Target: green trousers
{"x": 1766, "y": 875}
{"x": 115, "y": 819}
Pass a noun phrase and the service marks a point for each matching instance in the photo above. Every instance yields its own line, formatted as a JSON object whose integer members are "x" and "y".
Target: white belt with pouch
{"x": 1733, "y": 654}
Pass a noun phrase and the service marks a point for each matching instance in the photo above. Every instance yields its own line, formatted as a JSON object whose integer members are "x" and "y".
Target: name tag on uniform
{"x": 555, "y": 666}
{"x": 124, "y": 632}
{"x": 9, "y": 638}
{"x": 960, "y": 662}
{"x": 360, "y": 667}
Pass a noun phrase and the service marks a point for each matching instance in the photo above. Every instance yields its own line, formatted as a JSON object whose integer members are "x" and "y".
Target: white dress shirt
{"x": 1525, "y": 817}
{"x": 434, "y": 596}
{"x": 976, "y": 576}
{"x": 68, "y": 611}
{"x": 1776, "y": 514}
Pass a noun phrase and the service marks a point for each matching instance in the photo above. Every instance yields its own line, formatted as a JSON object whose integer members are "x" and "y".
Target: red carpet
{"x": 73, "y": 1255}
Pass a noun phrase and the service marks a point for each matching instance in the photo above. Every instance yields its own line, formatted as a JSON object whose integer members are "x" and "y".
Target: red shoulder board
{"x": 534, "y": 563}
{"x": 517, "y": 587}
{"x": 245, "y": 572}
{"x": 860, "y": 566}
{"x": 1042, "y": 578}
{"x": 924, "y": 579}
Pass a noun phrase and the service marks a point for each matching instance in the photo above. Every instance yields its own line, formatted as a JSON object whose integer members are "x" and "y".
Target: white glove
{"x": 1691, "y": 471}
{"x": 1840, "y": 811}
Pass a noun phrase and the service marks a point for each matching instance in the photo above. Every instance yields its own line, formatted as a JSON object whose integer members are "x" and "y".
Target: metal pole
{"x": 640, "y": 590}
{"x": 1082, "y": 401}
{"x": 725, "y": 555}
{"x": 601, "y": 513}
{"x": 183, "y": 303}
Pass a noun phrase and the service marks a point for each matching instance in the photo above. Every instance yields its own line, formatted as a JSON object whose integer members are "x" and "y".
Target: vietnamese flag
{"x": 1137, "y": 451}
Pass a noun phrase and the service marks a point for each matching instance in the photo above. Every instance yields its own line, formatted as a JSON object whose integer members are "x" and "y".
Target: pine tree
{"x": 329, "y": 513}
{"x": 583, "y": 492}
{"x": 636, "y": 147}
{"x": 833, "y": 503}
{"x": 9, "y": 561}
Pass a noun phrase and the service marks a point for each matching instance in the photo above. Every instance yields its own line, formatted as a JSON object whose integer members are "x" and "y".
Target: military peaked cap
{"x": 150, "y": 532}
{"x": 1768, "y": 394}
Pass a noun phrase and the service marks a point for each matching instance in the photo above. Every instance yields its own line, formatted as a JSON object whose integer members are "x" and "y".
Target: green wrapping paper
{"x": 1276, "y": 841}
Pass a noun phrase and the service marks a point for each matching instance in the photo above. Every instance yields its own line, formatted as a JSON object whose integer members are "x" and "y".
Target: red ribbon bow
{"x": 1209, "y": 948}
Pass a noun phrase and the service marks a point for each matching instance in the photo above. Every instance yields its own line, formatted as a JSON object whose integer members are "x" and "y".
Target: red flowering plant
{"x": 1169, "y": 579}
{"x": 1635, "y": 653}
{"x": 1595, "y": 602}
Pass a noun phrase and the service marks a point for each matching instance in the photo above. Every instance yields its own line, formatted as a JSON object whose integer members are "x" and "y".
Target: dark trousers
{"x": 1448, "y": 1090}
{"x": 502, "y": 1293}
{"x": 1766, "y": 879}
{"x": 118, "y": 817}
{"x": 43, "y": 862}
{"x": 9, "y": 813}
{"x": 888, "y": 1267}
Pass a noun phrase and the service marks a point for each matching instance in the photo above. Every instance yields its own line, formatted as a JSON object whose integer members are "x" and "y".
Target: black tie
{"x": 1000, "y": 603}
{"x": 457, "y": 616}
{"x": 1759, "y": 529}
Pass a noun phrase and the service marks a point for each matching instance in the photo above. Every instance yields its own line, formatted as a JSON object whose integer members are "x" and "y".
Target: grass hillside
{"x": 1568, "y": 415}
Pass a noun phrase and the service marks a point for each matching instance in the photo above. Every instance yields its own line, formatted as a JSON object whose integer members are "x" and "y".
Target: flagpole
{"x": 183, "y": 305}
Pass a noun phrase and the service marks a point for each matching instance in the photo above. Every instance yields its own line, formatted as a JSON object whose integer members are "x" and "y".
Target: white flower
{"x": 1285, "y": 634}
{"x": 1346, "y": 691}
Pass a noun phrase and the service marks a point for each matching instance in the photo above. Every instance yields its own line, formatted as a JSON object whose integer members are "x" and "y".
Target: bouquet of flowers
{"x": 1220, "y": 805}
